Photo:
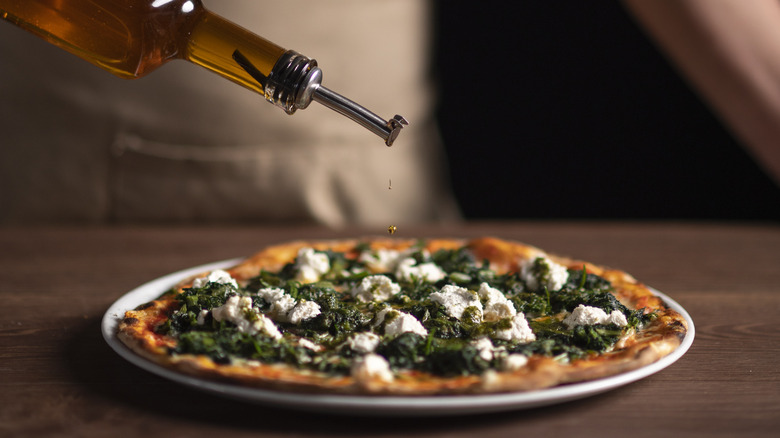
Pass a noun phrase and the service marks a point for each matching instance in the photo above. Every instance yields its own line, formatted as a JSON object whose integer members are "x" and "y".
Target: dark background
{"x": 566, "y": 109}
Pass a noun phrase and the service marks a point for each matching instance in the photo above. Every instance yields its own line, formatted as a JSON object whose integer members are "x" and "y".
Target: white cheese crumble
{"x": 365, "y": 342}
{"x": 202, "y": 316}
{"x": 399, "y": 322}
{"x": 302, "y": 311}
{"x": 514, "y": 362}
{"x": 263, "y": 324}
{"x": 428, "y": 271}
{"x": 216, "y": 276}
{"x": 618, "y": 318}
{"x": 381, "y": 260}
{"x": 270, "y": 294}
{"x": 370, "y": 367}
{"x": 311, "y": 265}
{"x": 375, "y": 288}
{"x": 485, "y": 348}
{"x": 456, "y": 300}
{"x": 518, "y": 332}
{"x": 588, "y": 315}
{"x": 240, "y": 312}
{"x": 305, "y": 343}
{"x": 285, "y": 308}
{"x": 281, "y": 308}
{"x": 497, "y": 306}
{"x": 543, "y": 272}
{"x": 233, "y": 310}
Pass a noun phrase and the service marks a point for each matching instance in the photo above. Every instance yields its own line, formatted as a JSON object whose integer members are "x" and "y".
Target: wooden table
{"x": 59, "y": 378}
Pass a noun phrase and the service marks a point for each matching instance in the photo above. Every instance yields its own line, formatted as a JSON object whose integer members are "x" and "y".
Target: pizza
{"x": 383, "y": 316}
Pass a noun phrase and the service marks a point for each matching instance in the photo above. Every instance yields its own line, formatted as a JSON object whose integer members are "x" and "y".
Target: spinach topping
{"x": 447, "y": 349}
{"x": 338, "y": 318}
{"x": 554, "y": 339}
{"x": 193, "y": 301}
{"x": 453, "y": 360}
{"x": 404, "y": 351}
{"x": 224, "y": 344}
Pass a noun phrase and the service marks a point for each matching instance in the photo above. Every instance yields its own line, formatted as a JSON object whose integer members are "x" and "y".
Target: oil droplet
{"x": 389, "y": 184}
{"x": 391, "y": 229}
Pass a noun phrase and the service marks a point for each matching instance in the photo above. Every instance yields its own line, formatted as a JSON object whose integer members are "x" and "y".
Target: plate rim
{"x": 370, "y": 404}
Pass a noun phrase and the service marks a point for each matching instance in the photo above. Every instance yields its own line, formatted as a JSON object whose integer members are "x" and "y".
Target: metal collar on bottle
{"x": 295, "y": 81}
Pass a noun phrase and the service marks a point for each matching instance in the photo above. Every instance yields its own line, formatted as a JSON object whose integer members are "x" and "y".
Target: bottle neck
{"x": 212, "y": 40}
{"x": 285, "y": 78}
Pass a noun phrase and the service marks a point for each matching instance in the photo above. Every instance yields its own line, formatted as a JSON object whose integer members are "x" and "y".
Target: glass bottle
{"x": 131, "y": 38}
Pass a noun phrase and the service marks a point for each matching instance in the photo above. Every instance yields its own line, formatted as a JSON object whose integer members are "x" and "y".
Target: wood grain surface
{"x": 58, "y": 377}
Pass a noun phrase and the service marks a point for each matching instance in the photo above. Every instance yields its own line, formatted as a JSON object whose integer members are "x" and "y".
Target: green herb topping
{"x": 443, "y": 313}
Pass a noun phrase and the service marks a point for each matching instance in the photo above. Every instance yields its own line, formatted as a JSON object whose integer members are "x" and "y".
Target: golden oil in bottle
{"x": 131, "y": 38}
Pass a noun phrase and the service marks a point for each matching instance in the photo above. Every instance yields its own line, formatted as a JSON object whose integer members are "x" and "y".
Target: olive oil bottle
{"x": 131, "y": 38}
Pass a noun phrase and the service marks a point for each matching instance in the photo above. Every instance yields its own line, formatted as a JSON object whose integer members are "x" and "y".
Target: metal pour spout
{"x": 388, "y": 130}
{"x": 295, "y": 81}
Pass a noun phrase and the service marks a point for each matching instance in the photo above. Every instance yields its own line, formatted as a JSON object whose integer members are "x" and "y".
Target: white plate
{"x": 373, "y": 405}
